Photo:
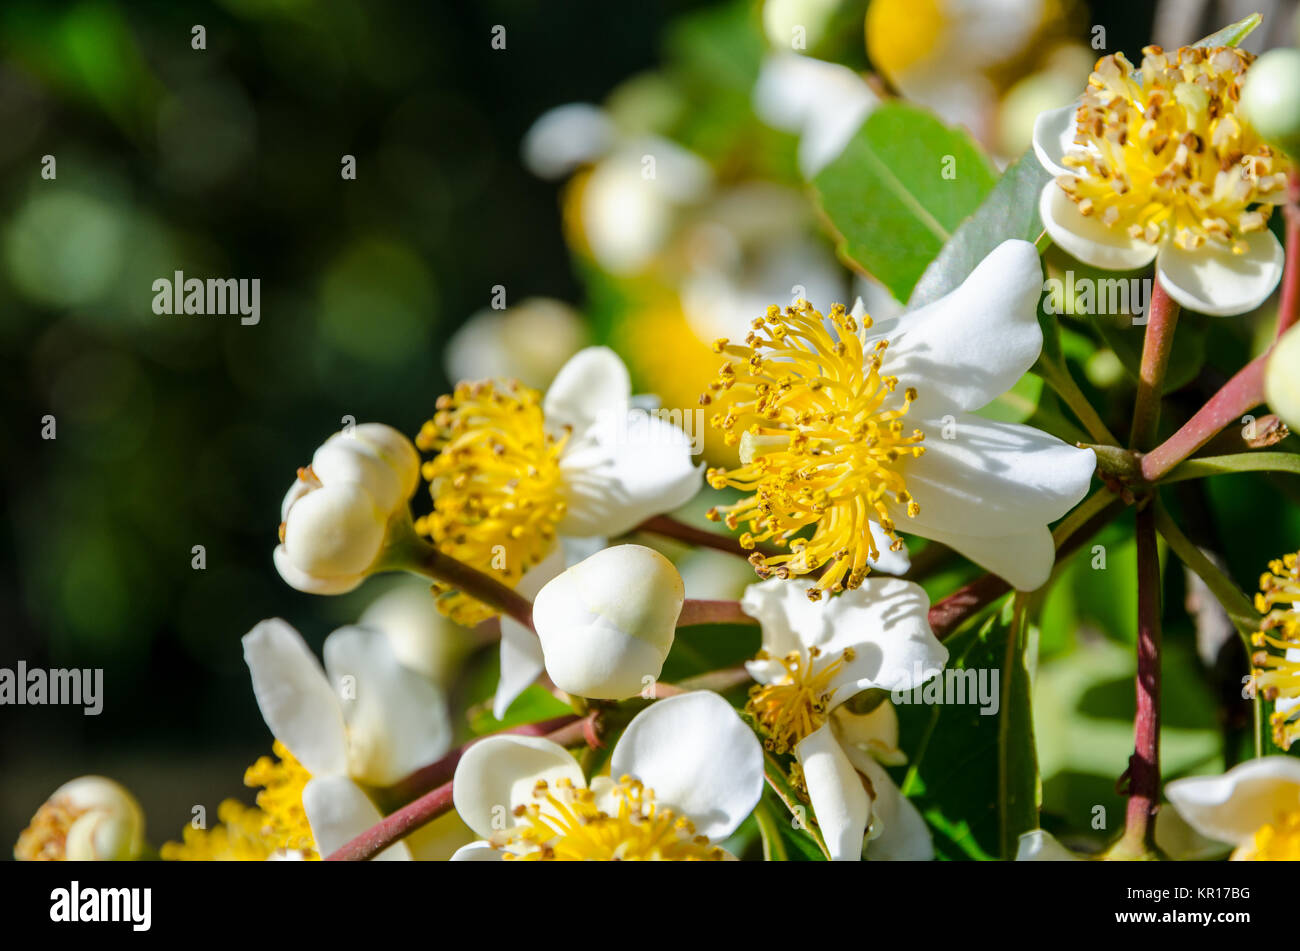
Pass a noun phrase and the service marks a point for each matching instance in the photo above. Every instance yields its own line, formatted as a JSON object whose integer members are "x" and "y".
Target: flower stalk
{"x": 1157, "y": 345}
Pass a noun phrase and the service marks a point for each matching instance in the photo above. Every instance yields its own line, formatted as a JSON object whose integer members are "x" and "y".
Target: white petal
{"x": 1054, "y": 132}
{"x": 1040, "y": 846}
{"x": 838, "y": 798}
{"x": 295, "y": 697}
{"x": 339, "y": 811}
{"x": 885, "y": 622}
{"x": 521, "y": 656}
{"x": 889, "y": 562}
{"x": 899, "y": 834}
{"x": 1025, "y": 560}
{"x": 478, "y": 852}
{"x": 592, "y": 383}
{"x": 396, "y": 720}
{"x": 630, "y": 465}
{"x": 822, "y": 102}
{"x": 972, "y": 345}
{"x": 335, "y": 531}
{"x": 874, "y": 733}
{"x": 991, "y": 478}
{"x": 1212, "y": 280}
{"x": 499, "y": 772}
{"x": 1087, "y": 238}
{"x": 698, "y": 756}
{"x": 298, "y": 579}
{"x": 565, "y": 137}
{"x": 1232, "y": 807}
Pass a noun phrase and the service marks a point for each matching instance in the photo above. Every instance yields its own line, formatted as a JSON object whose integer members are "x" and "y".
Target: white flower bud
{"x": 1270, "y": 98}
{"x": 608, "y": 622}
{"x": 90, "y": 819}
{"x": 335, "y": 516}
{"x": 1282, "y": 378}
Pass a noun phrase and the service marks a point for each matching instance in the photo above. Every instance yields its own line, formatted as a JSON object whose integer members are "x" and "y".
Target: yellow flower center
{"x": 564, "y": 823}
{"x": 46, "y": 838}
{"x": 796, "y": 704}
{"x": 1164, "y": 154}
{"x": 903, "y": 33}
{"x": 1278, "y": 841}
{"x": 822, "y": 444}
{"x": 497, "y": 489}
{"x": 253, "y": 834}
{"x": 1276, "y": 673}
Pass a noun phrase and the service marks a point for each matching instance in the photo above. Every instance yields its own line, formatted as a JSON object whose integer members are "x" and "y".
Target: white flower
{"x": 574, "y": 467}
{"x": 419, "y": 635}
{"x": 815, "y": 656}
{"x": 882, "y": 431}
{"x": 1040, "y": 846}
{"x": 607, "y": 623}
{"x": 1254, "y": 807}
{"x": 89, "y": 819}
{"x": 1157, "y": 165}
{"x": 362, "y": 721}
{"x": 823, "y": 103}
{"x": 335, "y": 517}
{"x": 683, "y": 776}
{"x": 528, "y": 342}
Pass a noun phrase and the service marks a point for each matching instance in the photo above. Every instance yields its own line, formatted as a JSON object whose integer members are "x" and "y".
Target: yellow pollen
{"x": 240, "y": 836}
{"x": 797, "y": 704}
{"x": 822, "y": 444}
{"x": 1276, "y": 665}
{"x": 565, "y": 823}
{"x": 1164, "y": 154}
{"x": 1278, "y": 841}
{"x": 496, "y": 486}
{"x": 45, "y": 839}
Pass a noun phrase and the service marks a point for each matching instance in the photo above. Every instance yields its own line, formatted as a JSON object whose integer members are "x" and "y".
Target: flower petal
{"x": 890, "y": 562}
{"x": 298, "y": 579}
{"x": 972, "y": 345}
{"x": 629, "y": 466}
{"x": 1232, "y": 807}
{"x": 478, "y": 852}
{"x": 885, "y": 622}
{"x": 838, "y": 798}
{"x": 824, "y": 103}
{"x": 1054, "y": 131}
{"x": 1214, "y": 281}
{"x": 593, "y": 383}
{"x": 396, "y": 720}
{"x": 1087, "y": 238}
{"x": 698, "y": 757}
{"x": 565, "y": 137}
{"x": 1025, "y": 560}
{"x": 991, "y": 478}
{"x": 899, "y": 834}
{"x": 339, "y": 811}
{"x": 295, "y": 697}
{"x": 499, "y": 772}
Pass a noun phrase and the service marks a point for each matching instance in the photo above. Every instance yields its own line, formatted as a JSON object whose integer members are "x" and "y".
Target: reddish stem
{"x": 477, "y": 585}
{"x": 1162, "y": 320}
{"x": 1144, "y": 765}
{"x": 695, "y": 611}
{"x": 1243, "y": 392}
{"x": 671, "y": 528}
{"x": 1288, "y": 308}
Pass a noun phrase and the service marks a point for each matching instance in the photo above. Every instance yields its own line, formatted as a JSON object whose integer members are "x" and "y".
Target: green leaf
{"x": 887, "y": 196}
{"x": 1010, "y": 211}
{"x": 1233, "y": 33}
{"x": 1238, "y": 462}
{"x": 974, "y": 776}
{"x": 532, "y": 706}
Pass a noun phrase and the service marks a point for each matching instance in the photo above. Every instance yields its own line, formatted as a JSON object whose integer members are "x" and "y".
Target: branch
{"x": 669, "y": 527}
{"x": 1157, "y": 344}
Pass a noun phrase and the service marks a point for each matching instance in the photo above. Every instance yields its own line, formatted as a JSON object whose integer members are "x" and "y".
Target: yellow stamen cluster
{"x": 564, "y": 823}
{"x": 1276, "y": 667}
{"x": 796, "y": 704}
{"x": 1164, "y": 154}
{"x": 1275, "y": 842}
{"x": 822, "y": 443}
{"x": 240, "y": 836}
{"x": 253, "y": 834}
{"x": 45, "y": 838}
{"x": 496, "y": 483}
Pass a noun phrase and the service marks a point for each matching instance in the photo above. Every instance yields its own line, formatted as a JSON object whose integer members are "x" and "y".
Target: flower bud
{"x": 90, "y": 819}
{"x": 1282, "y": 378}
{"x": 1270, "y": 99}
{"x": 607, "y": 623}
{"x": 335, "y": 517}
